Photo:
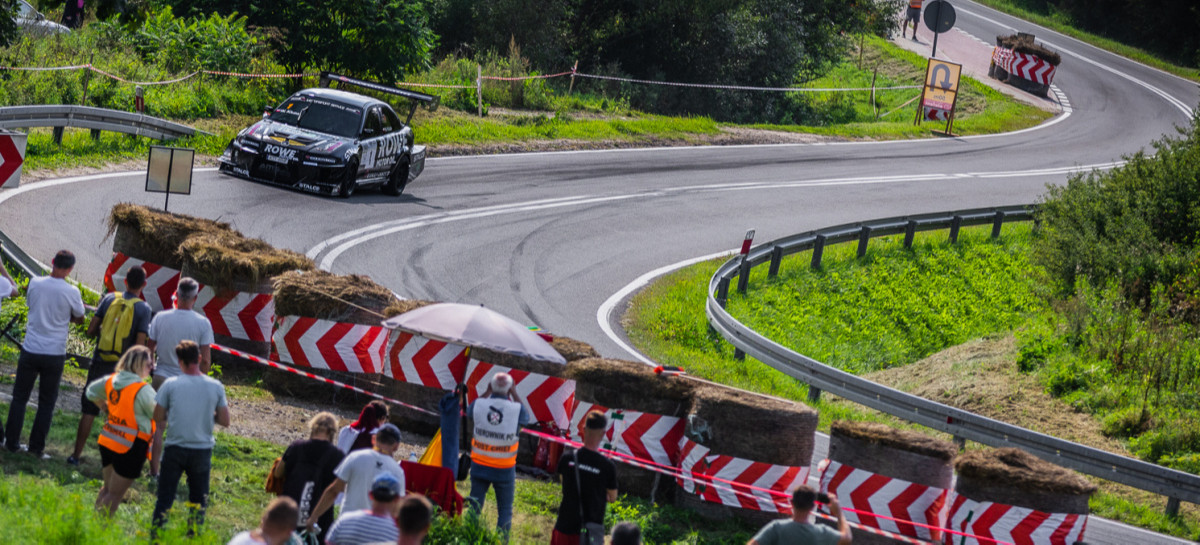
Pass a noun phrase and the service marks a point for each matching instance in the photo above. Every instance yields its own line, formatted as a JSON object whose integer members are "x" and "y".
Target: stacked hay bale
{"x": 1024, "y": 44}
{"x": 633, "y": 386}
{"x": 753, "y": 427}
{"x": 883, "y": 450}
{"x": 155, "y": 236}
{"x": 1014, "y": 477}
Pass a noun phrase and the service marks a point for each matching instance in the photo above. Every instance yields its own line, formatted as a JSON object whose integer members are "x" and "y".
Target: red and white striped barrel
{"x": 869, "y": 492}
{"x": 1016, "y": 525}
{"x": 160, "y": 281}
{"x": 323, "y": 344}
{"x": 748, "y": 481}
{"x": 549, "y": 398}
{"x": 423, "y": 361}
{"x": 641, "y": 435}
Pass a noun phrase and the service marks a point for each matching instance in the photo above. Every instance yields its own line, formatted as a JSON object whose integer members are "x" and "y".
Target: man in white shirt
{"x": 374, "y": 525}
{"x": 171, "y": 326}
{"x": 357, "y": 473}
{"x": 54, "y": 305}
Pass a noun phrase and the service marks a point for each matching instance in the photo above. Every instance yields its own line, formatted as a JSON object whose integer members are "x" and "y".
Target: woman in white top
{"x": 358, "y": 434}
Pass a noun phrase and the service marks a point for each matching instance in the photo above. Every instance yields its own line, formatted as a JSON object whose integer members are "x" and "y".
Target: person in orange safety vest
{"x": 913, "y": 14}
{"x": 125, "y": 439}
{"x": 498, "y": 416}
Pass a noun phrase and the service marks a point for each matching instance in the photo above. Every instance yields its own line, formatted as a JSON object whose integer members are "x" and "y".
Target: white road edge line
{"x": 7, "y": 194}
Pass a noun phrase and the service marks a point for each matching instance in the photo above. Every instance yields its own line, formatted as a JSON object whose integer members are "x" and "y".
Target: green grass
{"x": 1058, "y": 24}
{"x": 515, "y": 129}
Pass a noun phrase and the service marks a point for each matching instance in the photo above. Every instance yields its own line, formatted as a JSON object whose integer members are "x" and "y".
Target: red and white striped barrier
{"x": 936, "y": 114}
{"x": 994, "y": 522}
{"x": 323, "y": 344}
{"x": 646, "y": 436}
{"x": 549, "y": 398}
{"x": 418, "y": 360}
{"x": 746, "y": 476}
{"x": 867, "y": 492}
{"x": 1030, "y": 67}
{"x": 160, "y": 281}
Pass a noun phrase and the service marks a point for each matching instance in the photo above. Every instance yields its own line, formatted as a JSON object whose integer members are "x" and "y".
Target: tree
{"x": 8, "y": 22}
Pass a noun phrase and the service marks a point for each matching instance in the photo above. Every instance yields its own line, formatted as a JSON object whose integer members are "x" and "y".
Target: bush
{"x": 198, "y": 43}
{"x": 1127, "y": 422}
{"x": 1168, "y": 440}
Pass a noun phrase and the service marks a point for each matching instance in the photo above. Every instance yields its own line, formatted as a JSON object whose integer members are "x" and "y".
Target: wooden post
{"x": 874, "y": 107}
{"x": 87, "y": 79}
{"x": 573, "y": 70}
{"x": 479, "y": 88}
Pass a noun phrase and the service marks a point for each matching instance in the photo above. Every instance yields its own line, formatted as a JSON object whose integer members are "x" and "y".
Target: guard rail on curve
{"x": 1176, "y": 485}
{"x": 87, "y": 117}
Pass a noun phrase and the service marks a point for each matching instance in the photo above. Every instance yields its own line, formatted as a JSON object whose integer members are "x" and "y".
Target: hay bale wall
{"x": 1014, "y": 477}
{"x": 351, "y": 298}
{"x": 1027, "y": 45}
{"x": 155, "y": 236}
{"x": 571, "y": 349}
{"x": 531, "y": 365}
{"x": 629, "y": 385}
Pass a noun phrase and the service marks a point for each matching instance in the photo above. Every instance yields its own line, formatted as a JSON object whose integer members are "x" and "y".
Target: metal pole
{"x": 937, "y": 17}
{"x": 170, "y": 166}
{"x": 479, "y": 88}
{"x": 573, "y": 70}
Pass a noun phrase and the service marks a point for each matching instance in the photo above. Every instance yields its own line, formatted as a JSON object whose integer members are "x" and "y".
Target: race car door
{"x": 372, "y": 134}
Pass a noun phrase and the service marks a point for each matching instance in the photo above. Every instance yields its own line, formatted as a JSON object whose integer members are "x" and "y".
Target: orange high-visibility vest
{"x": 494, "y": 443}
{"x": 121, "y": 429}
{"x": 915, "y": 3}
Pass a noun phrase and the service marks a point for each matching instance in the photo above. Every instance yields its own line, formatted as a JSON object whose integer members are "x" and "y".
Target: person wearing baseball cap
{"x": 358, "y": 474}
{"x": 374, "y": 525}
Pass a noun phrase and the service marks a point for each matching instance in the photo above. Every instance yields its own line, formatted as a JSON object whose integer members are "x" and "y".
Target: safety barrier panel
{"x": 1176, "y": 485}
{"x": 87, "y": 117}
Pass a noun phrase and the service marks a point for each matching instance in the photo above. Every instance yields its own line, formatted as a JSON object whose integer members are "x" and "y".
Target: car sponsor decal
{"x": 382, "y": 152}
{"x": 279, "y": 154}
{"x": 309, "y": 187}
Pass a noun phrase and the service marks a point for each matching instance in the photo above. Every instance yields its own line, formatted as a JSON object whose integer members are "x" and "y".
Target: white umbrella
{"x": 474, "y": 325}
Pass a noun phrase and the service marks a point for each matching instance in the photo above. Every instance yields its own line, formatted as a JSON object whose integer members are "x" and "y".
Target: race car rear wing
{"x": 418, "y": 99}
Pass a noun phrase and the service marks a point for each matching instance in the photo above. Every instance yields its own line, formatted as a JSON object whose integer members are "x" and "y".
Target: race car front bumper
{"x": 245, "y": 162}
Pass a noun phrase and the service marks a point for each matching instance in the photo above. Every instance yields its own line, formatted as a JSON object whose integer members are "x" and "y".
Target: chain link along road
{"x": 548, "y": 238}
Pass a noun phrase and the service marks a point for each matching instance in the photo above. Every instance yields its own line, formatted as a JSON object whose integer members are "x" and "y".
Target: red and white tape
{"x": 999, "y": 523}
{"x": 868, "y": 492}
{"x": 549, "y": 398}
{"x": 323, "y": 344}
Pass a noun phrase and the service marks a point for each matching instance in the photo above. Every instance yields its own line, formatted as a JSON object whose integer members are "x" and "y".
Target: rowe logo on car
{"x": 280, "y": 154}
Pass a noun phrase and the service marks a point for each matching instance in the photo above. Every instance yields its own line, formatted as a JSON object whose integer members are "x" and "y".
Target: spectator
{"x": 180, "y": 324}
{"x": 53, "y": 306}
{"x": 120, "y": 325}
{"x": 911, "y": 15}
{"x": 278, "y": 522}
{"x": 589, "y": 482}
{"x": 357, "y": 435}
{"x": 307, "y": 468}
{"x": 497, "y": 416}
{"x": 357, "y": 473}
{"x": 129, "y": 428}
{"x": 799, "y": 530}
{"x": 415, "y": 516}
{"x": 626, "y": 533}
{"x": 376, "y": 524}
{"x": 188, "y": 406}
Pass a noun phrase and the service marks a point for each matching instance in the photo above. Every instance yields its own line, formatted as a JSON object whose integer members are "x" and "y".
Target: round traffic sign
{"x": 939, "y": 16}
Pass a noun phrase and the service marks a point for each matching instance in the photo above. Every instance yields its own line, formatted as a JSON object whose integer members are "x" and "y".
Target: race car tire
{"x": 397, "y": 181}
{"x": 349, "y": 180}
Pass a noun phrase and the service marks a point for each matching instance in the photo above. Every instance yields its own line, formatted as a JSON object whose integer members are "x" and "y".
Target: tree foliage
{"x": 8, "y": 22}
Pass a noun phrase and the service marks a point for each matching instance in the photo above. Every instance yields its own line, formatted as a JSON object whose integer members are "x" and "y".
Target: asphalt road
{"x": 548, "y": 238}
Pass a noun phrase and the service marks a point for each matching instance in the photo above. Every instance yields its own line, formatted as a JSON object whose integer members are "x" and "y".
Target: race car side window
{"x": 373, "y": 125}
{"x": 390, "y": 121}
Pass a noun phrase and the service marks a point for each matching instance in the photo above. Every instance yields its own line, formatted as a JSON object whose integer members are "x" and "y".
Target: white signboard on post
{"x": 170, "y": 171}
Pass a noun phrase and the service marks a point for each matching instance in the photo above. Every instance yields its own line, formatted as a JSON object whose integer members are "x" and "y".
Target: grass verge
{"x": 891, "y": 322}
{"x": 1058, "y": 25}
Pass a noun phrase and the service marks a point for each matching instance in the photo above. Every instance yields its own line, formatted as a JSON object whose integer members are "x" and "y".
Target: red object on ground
{"x": 559, "y": 538}
{"x": 436, "y": 483}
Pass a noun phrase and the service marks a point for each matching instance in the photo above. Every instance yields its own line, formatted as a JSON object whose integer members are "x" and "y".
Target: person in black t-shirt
{"x": 307, "y": 468}
{"x": 597, "y": 478}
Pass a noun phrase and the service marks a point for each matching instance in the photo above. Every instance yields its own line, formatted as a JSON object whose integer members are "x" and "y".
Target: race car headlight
{"x": 321, "y": 159}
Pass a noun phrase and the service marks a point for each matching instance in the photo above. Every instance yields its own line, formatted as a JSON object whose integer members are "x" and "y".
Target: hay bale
{"x": 882, "y": 435}
{"x": 319, "y": 294}
{"x": 1024, "y": 43}
{"x": 511, "y": 361}
{"x": 756, "y": 427}
{"x": 405, "y": 305}
{"x": 629, "y": 385}
{"x": 571, "y": 349}
{"x": 227, "y": 259}
{"x": 1014, "y": 477}
{"x": 155, "y": 236}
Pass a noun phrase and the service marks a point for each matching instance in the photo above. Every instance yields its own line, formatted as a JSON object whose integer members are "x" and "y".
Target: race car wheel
{"x": 397, "y": 181}
{"x": 349, "y": 180}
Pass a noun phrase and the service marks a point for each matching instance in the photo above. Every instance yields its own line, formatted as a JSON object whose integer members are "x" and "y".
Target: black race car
{"x": 331, "y": 141}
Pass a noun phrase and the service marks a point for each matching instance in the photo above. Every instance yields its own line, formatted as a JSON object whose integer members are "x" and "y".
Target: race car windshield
{"x": 319, "y": 115}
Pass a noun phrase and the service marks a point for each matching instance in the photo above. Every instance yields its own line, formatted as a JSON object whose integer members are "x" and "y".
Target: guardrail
{"x": 963, "y": 425}
{"x": 97, "y": 119}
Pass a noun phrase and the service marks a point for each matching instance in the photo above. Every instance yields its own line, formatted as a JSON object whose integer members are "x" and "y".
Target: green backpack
{"x": 114, "y": 330}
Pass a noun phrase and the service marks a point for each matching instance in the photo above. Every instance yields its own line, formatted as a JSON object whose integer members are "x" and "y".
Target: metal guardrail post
{"x": 1172, "y": 507}
{"x": 776, "y": 260}
{"x": 955, "y": 226}
{"x": 863, "y": 237}
{"x": 910, "y": 232}
{"x": 960, "y": 442}
{"x": 997, "y": 223}
{"x": 58, "y": 135}
{"x": 723, "y": 292}
{"x": 818, "y": 249}
{"x": 814, "y": 394}
{"x": 744, "y": 276}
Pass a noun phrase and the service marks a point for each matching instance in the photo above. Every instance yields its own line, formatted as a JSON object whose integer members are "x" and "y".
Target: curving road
{"x": 548, "y": 238}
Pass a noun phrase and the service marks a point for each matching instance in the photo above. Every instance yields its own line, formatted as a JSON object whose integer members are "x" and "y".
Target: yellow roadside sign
{"x": 940, "y": 92}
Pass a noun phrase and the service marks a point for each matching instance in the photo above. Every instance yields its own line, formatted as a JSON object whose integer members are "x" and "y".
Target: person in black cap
{"x": 374, "y": 525}
{"x": 357, "y": 474}
{"x": 626, "y": 533}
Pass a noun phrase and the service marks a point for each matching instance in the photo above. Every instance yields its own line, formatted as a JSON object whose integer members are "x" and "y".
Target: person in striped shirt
{"x": 374, "y": 525}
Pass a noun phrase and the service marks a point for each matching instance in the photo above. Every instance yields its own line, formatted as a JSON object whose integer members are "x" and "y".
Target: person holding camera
{"x": 799, "y": 530}
{"x": 497, "y": 417}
